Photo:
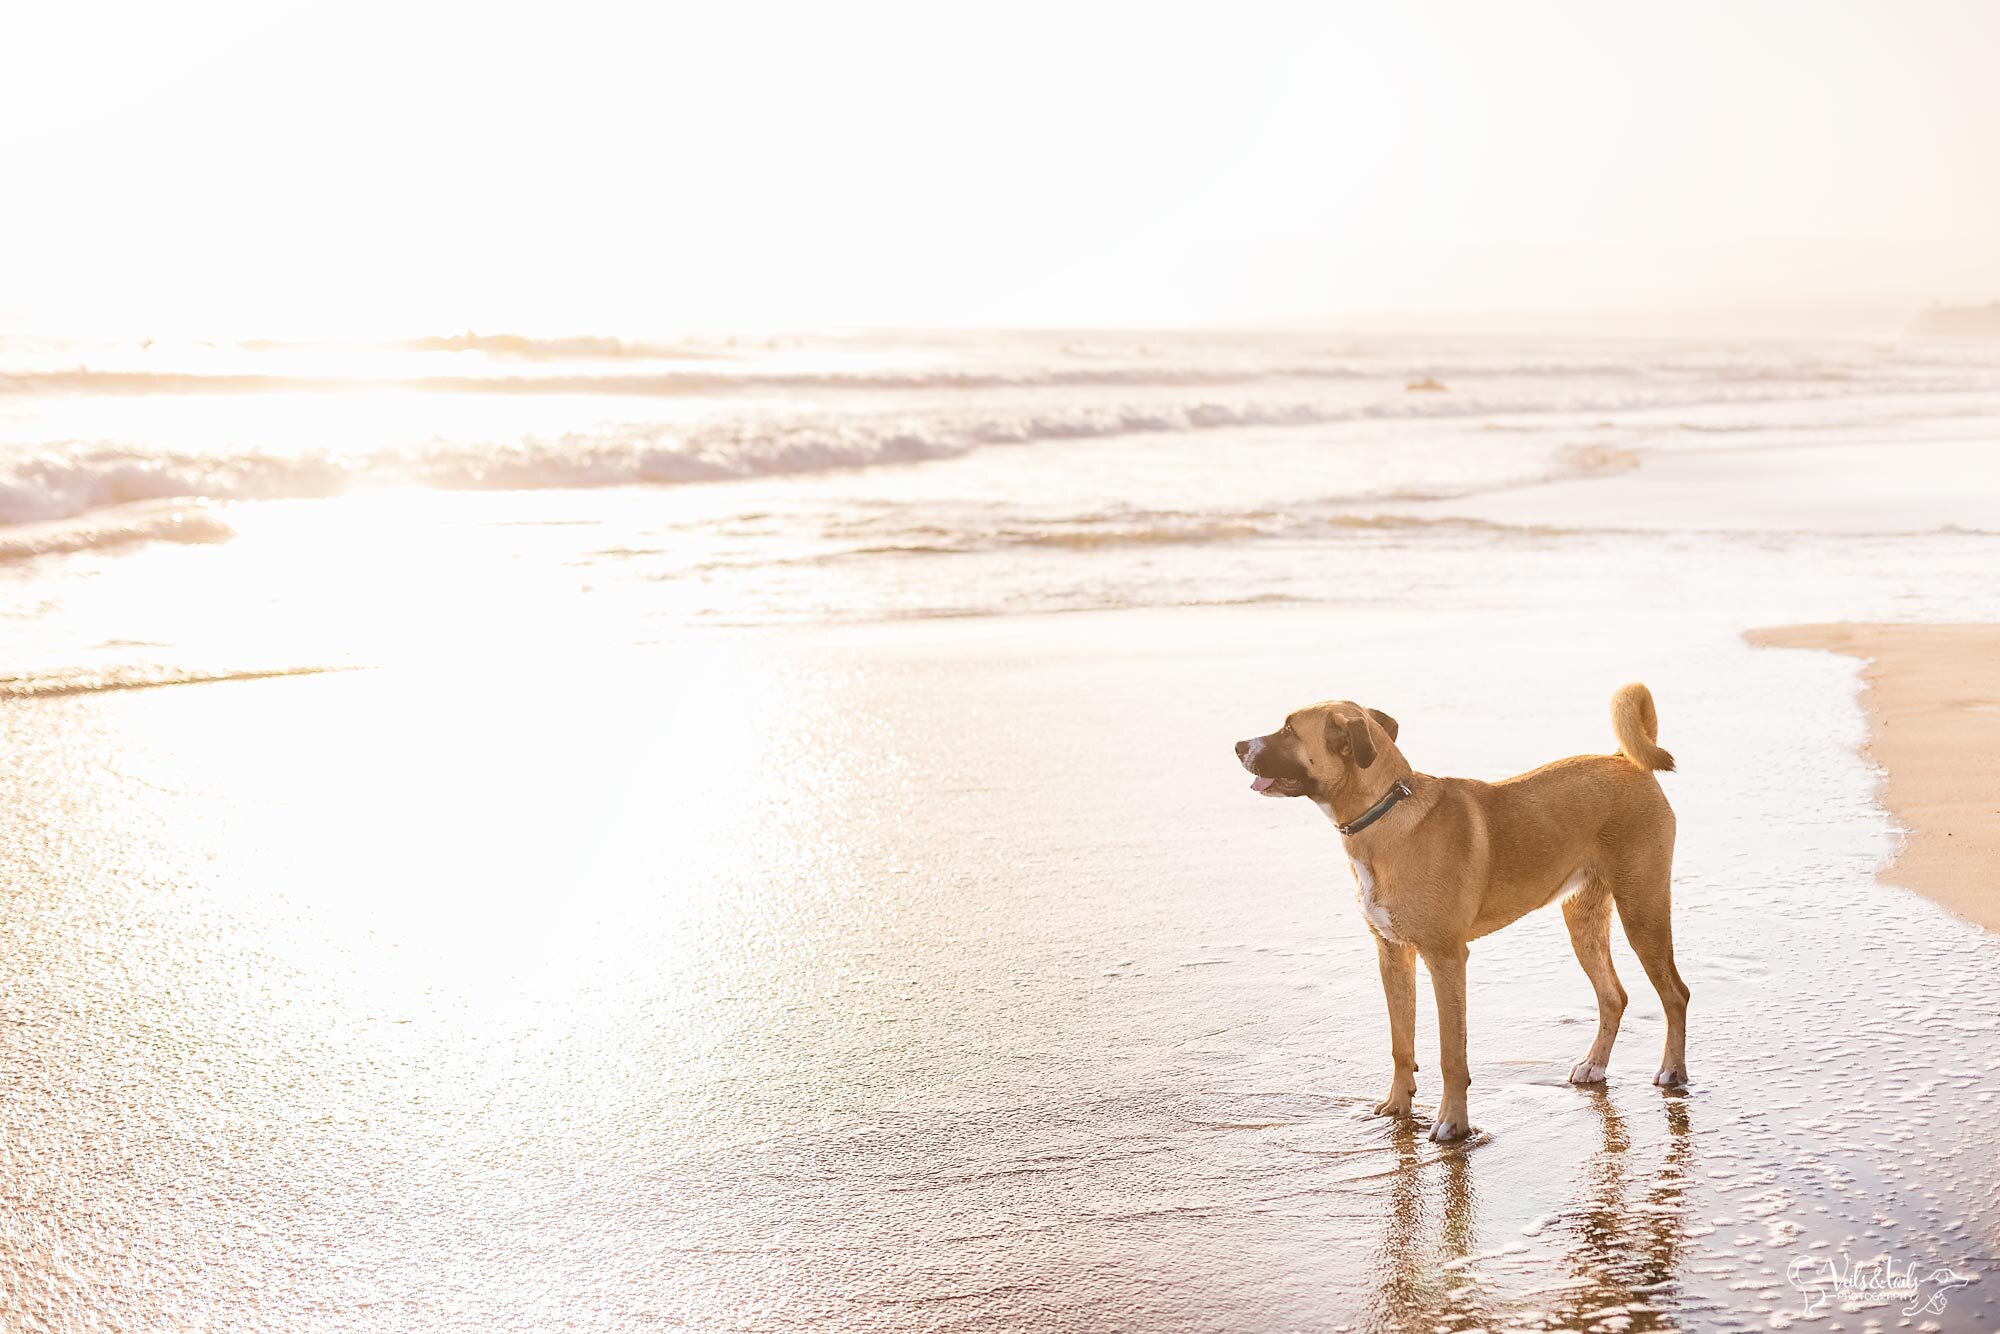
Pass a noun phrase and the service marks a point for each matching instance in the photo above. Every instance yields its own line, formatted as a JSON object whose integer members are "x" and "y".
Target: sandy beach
{"x": 1933, "y": 701}
{"x": 373, "y": 1000}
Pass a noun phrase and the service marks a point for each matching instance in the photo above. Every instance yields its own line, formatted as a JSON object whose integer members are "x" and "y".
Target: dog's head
{"x": 1319, "y": 750}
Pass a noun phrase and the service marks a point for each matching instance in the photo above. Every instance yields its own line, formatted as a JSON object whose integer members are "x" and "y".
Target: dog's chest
{"x": 1372, "y": 906}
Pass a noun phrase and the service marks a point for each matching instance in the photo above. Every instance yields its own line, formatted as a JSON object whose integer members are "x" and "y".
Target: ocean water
{"x": 341, "y": 503}
{"x": 771, "y": 858}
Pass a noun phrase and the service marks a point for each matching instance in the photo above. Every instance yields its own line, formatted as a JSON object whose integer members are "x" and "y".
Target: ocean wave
{"x": 77, "y": 477}
{"x": 108, "y": 532}
{"x": 1167, "y": 528}
{"x": 576, "y": 347}
{"x": 72, "y": 479}
{"x": 1107, "y": 531}
{"x": 711, "y": 380}
{"x": 91, "y": 681}
{"x": 69, "y": 478}
{"x": 666, "y": 384}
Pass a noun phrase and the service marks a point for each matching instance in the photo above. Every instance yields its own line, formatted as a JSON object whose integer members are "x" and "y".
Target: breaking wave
{"x": 76, "y": 477}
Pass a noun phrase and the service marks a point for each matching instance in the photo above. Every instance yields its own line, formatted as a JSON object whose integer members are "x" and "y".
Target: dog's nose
{"x": 1242, "y": 749}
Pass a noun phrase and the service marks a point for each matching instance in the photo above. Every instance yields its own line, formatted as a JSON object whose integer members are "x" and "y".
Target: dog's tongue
{"x": 1261, "y": 784}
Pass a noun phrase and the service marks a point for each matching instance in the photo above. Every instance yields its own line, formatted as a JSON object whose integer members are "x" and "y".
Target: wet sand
{"x": 942, "y": 976}
{"x": 1933, "y": 702}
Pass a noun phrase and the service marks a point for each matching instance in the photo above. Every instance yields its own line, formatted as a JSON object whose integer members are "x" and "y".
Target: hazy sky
{"x": 350, "y": 168}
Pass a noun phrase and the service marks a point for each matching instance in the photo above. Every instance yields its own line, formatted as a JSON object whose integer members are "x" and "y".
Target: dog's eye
{"x": 1288, "y": 730}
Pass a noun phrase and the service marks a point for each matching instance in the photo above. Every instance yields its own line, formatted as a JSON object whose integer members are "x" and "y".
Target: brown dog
{"x": 1444, "y": 861}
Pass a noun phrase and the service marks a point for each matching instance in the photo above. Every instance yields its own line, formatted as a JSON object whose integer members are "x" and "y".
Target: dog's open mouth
{"x": 1275, "y": 787}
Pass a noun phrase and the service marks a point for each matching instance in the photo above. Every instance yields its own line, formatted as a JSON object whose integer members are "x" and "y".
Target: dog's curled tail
{"x": 1637, "y": 724}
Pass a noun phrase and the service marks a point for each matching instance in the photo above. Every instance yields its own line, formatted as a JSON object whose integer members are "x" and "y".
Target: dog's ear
{"x": 1388, "y": 723}
{"x": 1351, "y": 735}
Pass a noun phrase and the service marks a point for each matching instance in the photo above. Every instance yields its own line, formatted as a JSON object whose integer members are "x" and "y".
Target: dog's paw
{"x": 1587, "y": 1072}
{"x": 1672, "y": 1077}
{"x": 1450, "y": 1127}
{"x": 1396, "y": 1104}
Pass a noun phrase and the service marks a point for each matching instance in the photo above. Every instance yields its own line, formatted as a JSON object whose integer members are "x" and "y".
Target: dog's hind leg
{"x": 1645, "y": 906}
{"x": 1588, "y": 914}
{"x": 1399, "y": 985}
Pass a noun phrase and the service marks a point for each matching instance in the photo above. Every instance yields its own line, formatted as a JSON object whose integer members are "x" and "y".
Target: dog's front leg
{"x": 1399, "y": 986}
{"x": 1447, "y": 969}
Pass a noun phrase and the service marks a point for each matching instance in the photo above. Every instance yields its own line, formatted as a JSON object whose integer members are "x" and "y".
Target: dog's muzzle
{"x": 1249, "y": 754}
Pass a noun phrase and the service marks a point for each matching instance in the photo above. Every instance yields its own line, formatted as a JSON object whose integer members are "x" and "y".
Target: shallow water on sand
{"x": 720, "y": 906}
{"x": 944, "y": 976}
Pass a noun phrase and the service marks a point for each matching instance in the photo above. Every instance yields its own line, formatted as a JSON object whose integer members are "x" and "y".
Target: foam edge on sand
{"x": 1933, "y": 702}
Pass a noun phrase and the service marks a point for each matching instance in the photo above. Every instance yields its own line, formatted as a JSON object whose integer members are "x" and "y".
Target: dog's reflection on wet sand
{"x": 1621, "y": 1235}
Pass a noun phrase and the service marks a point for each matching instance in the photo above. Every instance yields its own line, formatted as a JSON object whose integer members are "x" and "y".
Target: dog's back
{"x": 1548, "y": 833}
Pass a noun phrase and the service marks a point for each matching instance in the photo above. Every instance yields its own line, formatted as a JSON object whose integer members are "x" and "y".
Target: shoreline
{"x": 1933, "y": 711}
